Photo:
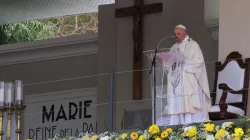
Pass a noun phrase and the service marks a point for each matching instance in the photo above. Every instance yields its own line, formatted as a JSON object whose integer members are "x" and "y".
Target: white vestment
{"x": 187, "y": 89}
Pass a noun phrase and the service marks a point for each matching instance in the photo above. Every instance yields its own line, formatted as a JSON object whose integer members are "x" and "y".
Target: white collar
{"x": 185, "y": 39}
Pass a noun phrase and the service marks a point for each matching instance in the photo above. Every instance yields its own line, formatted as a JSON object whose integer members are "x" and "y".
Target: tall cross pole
{"x": 137, "y": 12}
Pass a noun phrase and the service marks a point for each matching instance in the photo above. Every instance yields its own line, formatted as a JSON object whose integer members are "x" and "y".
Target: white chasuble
{"x": 188, "y": 89}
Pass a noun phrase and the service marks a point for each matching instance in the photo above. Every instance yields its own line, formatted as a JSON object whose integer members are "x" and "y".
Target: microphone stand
{"x": 154, "y": 81}
{"x": 154, "y": 77}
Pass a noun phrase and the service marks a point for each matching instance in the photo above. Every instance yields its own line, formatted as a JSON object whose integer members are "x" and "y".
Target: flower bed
{"x": 204, "y": 131}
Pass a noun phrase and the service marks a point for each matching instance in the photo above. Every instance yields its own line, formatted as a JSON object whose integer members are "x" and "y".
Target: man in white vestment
{"x": 187, "y": 88}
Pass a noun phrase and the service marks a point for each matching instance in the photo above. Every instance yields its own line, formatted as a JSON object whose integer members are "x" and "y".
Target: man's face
{"x": 180, "y": 34}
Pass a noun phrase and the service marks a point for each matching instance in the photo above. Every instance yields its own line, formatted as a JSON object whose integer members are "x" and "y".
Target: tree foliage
{"x": 51, "y": 28}
{"x": 29, "y": 31}
{"x": 76, "y": 25}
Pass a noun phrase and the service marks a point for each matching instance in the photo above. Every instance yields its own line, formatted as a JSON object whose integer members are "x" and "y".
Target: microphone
{"x": 167, "y": 37}
{"x": 156, "y": 50}
{"x": 176, "y": 37}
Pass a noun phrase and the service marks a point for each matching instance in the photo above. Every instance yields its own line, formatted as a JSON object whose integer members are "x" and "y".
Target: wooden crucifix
{"x": 137, "y": 12}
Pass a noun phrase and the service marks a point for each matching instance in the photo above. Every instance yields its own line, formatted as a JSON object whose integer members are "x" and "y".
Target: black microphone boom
{"x": 156, "y": 50}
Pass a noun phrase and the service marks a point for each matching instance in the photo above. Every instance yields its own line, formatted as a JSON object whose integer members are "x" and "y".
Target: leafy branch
{"x": 51, "y": 28}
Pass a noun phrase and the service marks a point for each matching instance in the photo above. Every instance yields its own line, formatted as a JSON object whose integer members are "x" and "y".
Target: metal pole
{"x": 111, "y": 105}
{"x": 154, "y": 86}
{"x": 154, "y": 96}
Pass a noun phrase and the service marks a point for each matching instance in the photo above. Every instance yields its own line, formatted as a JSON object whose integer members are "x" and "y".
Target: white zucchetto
{"x": 181, "y": 26}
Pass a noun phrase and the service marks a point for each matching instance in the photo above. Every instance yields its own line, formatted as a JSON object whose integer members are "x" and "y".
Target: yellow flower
{"x": 192, "y": 132}
{"x": 141, "y": 137}
{"x": 169, "y": 130}
{"x": 229, "y": 124}
{"x": 134, "y": 135}
{"x": 209, "y": 127}
{"x": 157, "y": 138}
{"x": 220, "y": 134}
{"x": 238, "y": 132}
{"x": 94, "y": 138}
{"x": 116, "y": 139}
{"x": 164, "y": 134}
{"x": 84, "y": 137}
{"x": 153, "y": 129}
{"x": 193, "y": 138}
{"x": 236, "y": 138}
{"x": 124, "y": 135}
{"x": 248, "y": 130}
